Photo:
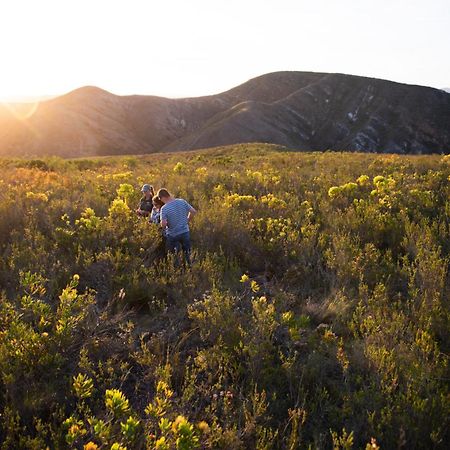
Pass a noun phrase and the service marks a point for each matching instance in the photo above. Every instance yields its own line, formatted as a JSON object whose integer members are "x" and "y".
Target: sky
{"x": 184, "y": 48}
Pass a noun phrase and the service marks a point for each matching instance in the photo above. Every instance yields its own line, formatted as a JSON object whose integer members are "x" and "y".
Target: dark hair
{"x": 163, "y": 192}
{"x": 157, "y": 201}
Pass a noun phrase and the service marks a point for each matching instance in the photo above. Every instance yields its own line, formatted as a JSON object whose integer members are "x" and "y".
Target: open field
{"x": 316, "y": 312}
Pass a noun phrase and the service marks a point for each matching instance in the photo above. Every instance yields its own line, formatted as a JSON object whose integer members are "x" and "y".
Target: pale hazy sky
{"x": 187, "y": 48}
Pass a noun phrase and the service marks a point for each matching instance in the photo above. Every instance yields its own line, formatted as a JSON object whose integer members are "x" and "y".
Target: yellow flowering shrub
{"x": 236, "y": 200}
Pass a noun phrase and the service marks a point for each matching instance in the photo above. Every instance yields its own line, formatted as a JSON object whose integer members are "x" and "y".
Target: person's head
{"x": 147, "y": 190}
{"x": 164, "y": 195}
{"x": 157, "y": 202}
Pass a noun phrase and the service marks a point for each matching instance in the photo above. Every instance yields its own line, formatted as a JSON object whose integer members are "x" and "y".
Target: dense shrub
{"x": 315, "y": 315}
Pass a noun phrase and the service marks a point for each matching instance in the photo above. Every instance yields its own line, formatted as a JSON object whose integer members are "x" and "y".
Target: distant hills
{"x": 300, "y": 110}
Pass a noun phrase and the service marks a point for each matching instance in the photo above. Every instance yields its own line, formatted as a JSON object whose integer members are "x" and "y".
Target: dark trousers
{"x": 183, "y": 241}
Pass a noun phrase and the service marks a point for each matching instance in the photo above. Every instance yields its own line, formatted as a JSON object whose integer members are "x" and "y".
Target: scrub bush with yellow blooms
{"x": 242, "y": 201}
{"x": 37, "y": 196}
{"x": 179, "y": 167}
{"x": 273, "y": 202}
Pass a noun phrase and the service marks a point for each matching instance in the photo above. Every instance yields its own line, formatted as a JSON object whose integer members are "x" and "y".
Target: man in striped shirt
{"x": 175, "y": 216}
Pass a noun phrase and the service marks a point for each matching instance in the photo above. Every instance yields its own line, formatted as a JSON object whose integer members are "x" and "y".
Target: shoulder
{"x": 165, "y": 208}
{"x": 182, "y": 201}
{"x": 186, "y": 205}
{"x": 175, "y": 203}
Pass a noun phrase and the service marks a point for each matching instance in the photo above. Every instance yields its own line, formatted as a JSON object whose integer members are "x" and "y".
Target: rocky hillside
{"x": 301, "y": 110}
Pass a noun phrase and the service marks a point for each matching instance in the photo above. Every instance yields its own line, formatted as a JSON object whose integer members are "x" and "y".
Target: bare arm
{"x": 192, "y": 212}
{"x": 163, "y": 218}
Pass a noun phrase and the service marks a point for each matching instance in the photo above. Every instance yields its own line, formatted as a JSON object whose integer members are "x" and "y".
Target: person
{"x": 155, "y": 215}
{"x": 175, "y": 217}
{"x": 159, "y": 248}
{"x": 145, "y": 204}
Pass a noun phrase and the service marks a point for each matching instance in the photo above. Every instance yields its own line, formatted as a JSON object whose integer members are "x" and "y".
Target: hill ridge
{"x": 301, "y": 110}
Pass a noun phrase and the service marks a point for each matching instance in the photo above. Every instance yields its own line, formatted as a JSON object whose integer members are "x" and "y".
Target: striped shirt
{"x": 176, "y": 214}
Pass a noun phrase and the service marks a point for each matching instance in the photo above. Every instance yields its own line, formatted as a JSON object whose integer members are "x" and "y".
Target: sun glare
{"x": 21, "y": 111}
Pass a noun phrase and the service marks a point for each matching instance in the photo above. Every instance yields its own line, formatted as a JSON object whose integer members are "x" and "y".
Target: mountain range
{"x": 299, "y": 110}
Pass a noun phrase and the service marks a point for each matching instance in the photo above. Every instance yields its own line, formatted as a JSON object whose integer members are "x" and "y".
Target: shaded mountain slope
{"x": 302, "y": 110}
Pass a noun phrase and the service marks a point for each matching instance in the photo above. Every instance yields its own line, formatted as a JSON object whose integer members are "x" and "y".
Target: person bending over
{"x": 175, "y": 216}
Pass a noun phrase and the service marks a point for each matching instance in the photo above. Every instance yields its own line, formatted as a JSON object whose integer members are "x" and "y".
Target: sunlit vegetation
{"x": 315, "y": 315}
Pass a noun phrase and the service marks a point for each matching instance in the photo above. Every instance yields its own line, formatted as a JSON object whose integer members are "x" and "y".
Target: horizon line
{"x": 26, "y": 99}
